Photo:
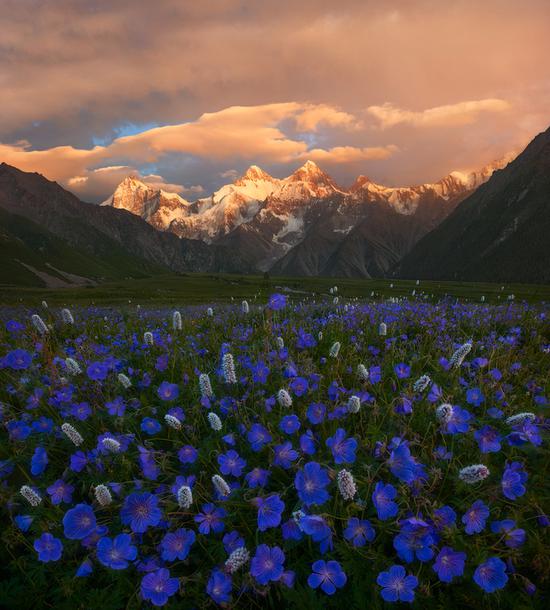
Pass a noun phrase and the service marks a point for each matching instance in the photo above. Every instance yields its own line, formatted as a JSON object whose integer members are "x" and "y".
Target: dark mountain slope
{"x": 106, "y": 232}
{"x": 500, "y": 233}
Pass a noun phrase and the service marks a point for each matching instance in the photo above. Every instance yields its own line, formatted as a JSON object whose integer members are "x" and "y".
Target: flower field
{"x": 285, "y": 454}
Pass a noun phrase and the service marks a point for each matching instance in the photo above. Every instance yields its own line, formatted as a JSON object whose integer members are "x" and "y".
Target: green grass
{"x": 203, "y": 288}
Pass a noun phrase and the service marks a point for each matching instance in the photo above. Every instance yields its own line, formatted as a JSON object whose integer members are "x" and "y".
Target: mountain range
{"x": 489, "y": 225}
{"x": 305, "y": 224}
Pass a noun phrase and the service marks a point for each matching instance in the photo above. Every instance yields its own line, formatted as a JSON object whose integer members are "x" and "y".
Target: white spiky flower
{"x": 444, "y": 412}
{"x": 103, "y": 495}
{"x": 39, "y": 324}
{"x": 280, "y": 343}
{"x": 245, "y": 307}
{"x": 335, "y": 300}
{"x": 382, "y": 329}
{"x": 228, "y": 368}
{"x": 172, "y": 421}
{"x": 297, "y": 516}
{"x": 30, "y": 495}
{"x": 320, "y": 335}
{"x": 67, "y": 316}
{"x": 458, "y": 357}
{"x": 111, "y": 444}
{"x": 176, "y": 321}
{"x": 124, "y": 380}
{"x": 215, "y": 421}
{"x": 346, "y": 485}
{"x": 185, "y": 497}
{"x": 483, "y": 298}
{"x": 221, "y": 485}
{"x": 148, "y": 338}
{"x": 72, "y": 434}
{"x": 519, "y": 418}
{"x": 44, "y": 305}
{"x": 354, "y": 404}
{"x": 421, "y": 383}
{"x": 210, "y": 312}
{"x": 238, "y": 558}
{"x": 474, "y": 473}
{"x": 334, "y": 350}
{"x": 73, "y": 368}
{"x": 205, "y": 385}
{"x": 284, "y": 398}
{"x": 362, "y": 372}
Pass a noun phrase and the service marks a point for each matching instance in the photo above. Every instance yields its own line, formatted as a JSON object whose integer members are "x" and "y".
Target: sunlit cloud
{"x": 462, "y": 113}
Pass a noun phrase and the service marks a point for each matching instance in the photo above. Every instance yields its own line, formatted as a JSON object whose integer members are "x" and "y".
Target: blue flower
{"x": 115, "y": 553}
{"x": 488, "y": 439}
{"x": 258, "y": 437}
{"x": 267, "y": 564}
{"x": 257, "y": 477}
{"x": 211, "y": 519}
{"x": 232, "y": 541}
{"x": 316, "y": 527}
{"x": 383, "y": 499}
{"x": 359, "y": 531}
{"x": 84, "y": 569}
{"x": 39, "y": 461}
{"x": 188, "y": 454}
{"x": 158, "y": 586}
{"x": 475, "y": 517}
{"x": 219, "y": 586}
{"x": 449, "y": 564}
{"x": 48, "y": 548}
{"x": 396, "y": 585}
{"x": 60, "y": 491}
{"x": 513, "y": 481}
{"x": 513, "y": 537}
{"x": 459, "y": 421}
{"x": 328, "y": 575}
{"x": 18, "y": 360}
{"x": 97, "y": 371}
{"x": 414, "y": 540}
{"x": 474, "y": 396}
{"x": 285, "y": 455}
{"x": 444, "y": 517}
{"x": 343, "y": 448}
{"x": 79, "y": 522}
{"x": 168, "y": 391}
{"x": 277, "y": 301}
{"x": 310, "y": 482}
{"x": 316, "y": 413}
{"x": 231, "y": 463}
{"x": 299, "y": 385}
{"x": 491, "y": 575}
{"x": 150, "y": 426}
{"x": 139, "y": 511}
{"x": 402, "y": 370}
{"x": 176, "y": 545}
{"x": 270, "y": 510}
{"x": 289, "y": 424}
{"x": 23, "y": 522}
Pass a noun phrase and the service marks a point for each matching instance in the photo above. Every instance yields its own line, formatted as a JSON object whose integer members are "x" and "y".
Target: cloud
{"x": 462, "y": 113}
{"x": 249, "y": 133}
{"x": 350, "y": 154}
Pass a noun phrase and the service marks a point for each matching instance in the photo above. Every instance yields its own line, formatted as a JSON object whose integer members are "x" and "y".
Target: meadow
{"x": 304, "y": 448}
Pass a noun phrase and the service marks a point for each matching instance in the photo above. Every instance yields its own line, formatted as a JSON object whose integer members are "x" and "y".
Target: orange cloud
{"x": 250, "y": 133}
{"x": 462, "y": 113}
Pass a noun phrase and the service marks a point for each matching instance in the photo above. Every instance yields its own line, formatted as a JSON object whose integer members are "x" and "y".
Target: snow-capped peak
{"x": 254, "y": 174}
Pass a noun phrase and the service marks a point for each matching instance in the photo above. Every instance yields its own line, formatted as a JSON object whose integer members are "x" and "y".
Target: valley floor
{"x": 202, "y": 288}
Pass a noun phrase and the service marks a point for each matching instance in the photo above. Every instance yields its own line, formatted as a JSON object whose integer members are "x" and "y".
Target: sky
{"x": 188, "y": 94}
